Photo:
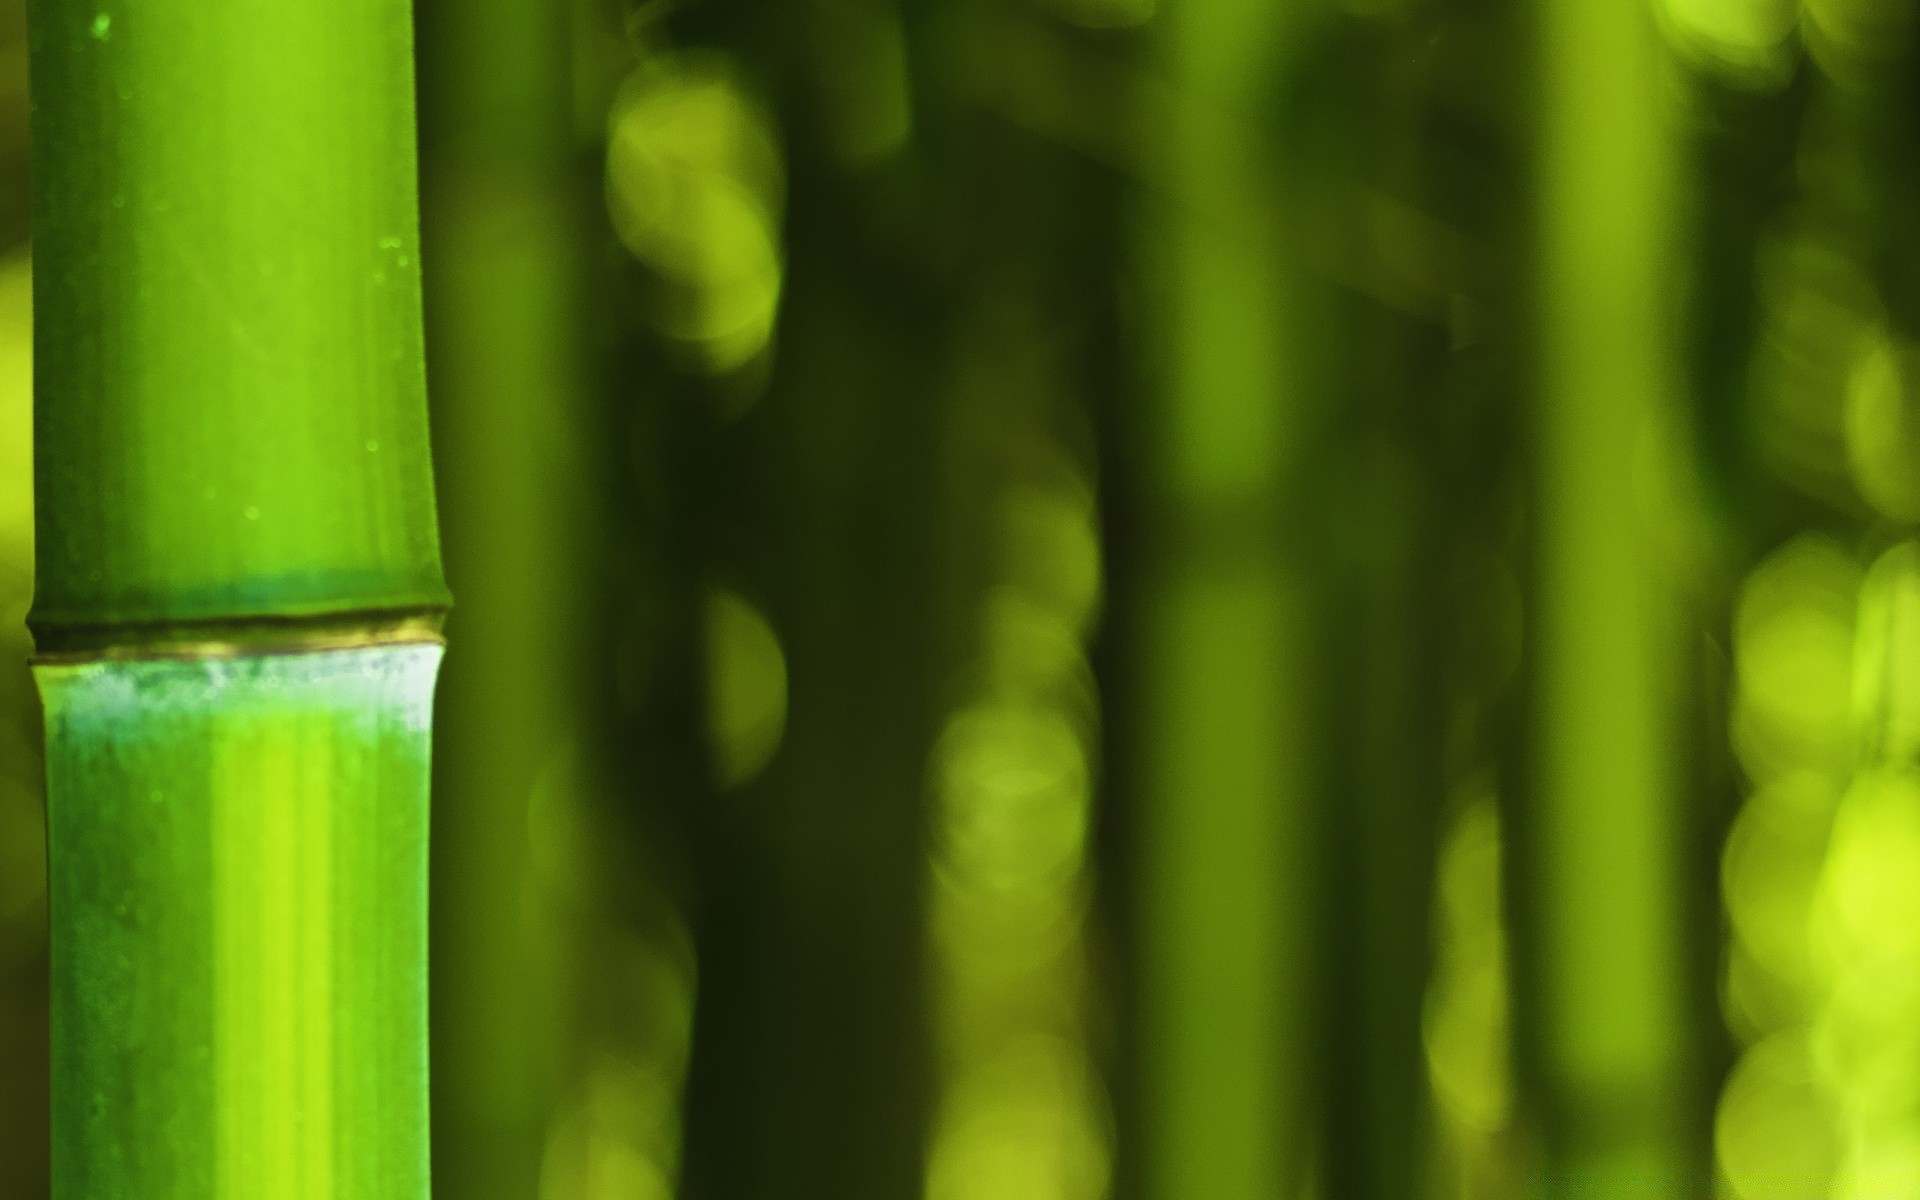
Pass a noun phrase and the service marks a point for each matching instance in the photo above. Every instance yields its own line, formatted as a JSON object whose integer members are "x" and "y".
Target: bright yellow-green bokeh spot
{"x": 1028, "y": 645}
{"x": 1014, "y": 789}
{"x": 22, "y": 824}
{"x": 1465, "y": 1025}
{"x": 1867, "y": 938}
{"x": 1034, "y": 622}
{"x": 695, "y": 188}
{"x": 1749, "y": 41}
{"x": 1052, "y": 549}
{"x": 1793, "y": 656}
{"x": 1771, "y": 869}
{"x": 1884, "y": 1168}
{"x": 1773, "y": 1136}
{"x": 1022, "y": 1125}
{"x": 1883, "y": 440}
{"x": 746, "y": 688}
{"x": 1755, "y": 1001}
{"x": 616, "y": 1135}
{"x": 616, "y": 1141}
{"x": 1006, "y": 959}
{"x": 1867, "y": 916}
{"x": 1887, "y": 661}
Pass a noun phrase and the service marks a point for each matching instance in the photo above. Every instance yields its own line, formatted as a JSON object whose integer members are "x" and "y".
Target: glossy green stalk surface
{"x": 237, "y": 593}
{"x": 238, "y": 901}
{"x": 230, "y": 418}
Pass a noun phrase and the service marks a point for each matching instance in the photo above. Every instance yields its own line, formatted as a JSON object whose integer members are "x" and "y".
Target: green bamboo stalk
{"x": 1611, "y": 1044}
{"x": 238, "y": 900}
{"x": 504, "y": 288}
{"x": 1225, "y": 791}
{"x": 238, "y": 596}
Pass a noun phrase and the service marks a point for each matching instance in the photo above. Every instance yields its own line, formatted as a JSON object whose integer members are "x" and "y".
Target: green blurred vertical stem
{"x": 503, "y": 304}
{"x": 1607, "y": 649}
{"x": 1220, "y": 615}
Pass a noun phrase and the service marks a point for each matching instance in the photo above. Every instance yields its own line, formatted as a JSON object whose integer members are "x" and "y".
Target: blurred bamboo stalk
{"x": 506, "y": 296}
{"x": 1223, "y": 771}
{"x": 781, "y": 435}
{"x": 237, "y": 600}
{"x": 1604, "y": 829}
{"x": 809, "y": 1070}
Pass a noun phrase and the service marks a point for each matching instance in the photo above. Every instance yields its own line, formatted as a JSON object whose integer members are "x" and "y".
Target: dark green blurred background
{"x": 1154, "y": 599}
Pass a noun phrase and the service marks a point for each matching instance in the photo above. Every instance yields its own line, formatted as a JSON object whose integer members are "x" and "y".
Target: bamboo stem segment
{"x": 230, "y": 418}
{"x": 238, "y": 596}
{"x": 239, "y": 914}
{"x": 1607, "y": 782}
{"x": 507, "y": 350}
{"x": 1226, "y": 805}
